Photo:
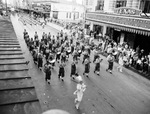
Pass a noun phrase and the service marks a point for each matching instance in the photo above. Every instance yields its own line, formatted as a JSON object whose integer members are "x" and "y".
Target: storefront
{"x": 127, "y": 26}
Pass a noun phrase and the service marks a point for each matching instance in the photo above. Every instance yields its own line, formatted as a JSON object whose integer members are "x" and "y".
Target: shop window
{"x": 121, "y": 3}
{"x": 100, "y": 5}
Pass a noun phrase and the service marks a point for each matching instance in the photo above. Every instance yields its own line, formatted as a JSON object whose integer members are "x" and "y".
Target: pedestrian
{"x": 35, "y": 55}
{"x": 25, "y": 33}
{"x": 110, "y": 60}
{"x": 61, "y": 71}
{"x": 97, "y": 65}
{"x": 87, "y": 67}
{"x": 47, "y": 70}
{"x": 121, "y": 62}
{"x": 73, "y": 69}
{"x": 40, "y": 60}
{"x": 81, "y": 87}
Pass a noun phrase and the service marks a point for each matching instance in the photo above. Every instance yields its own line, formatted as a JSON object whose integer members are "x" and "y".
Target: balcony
{"x": 136, "y": 23}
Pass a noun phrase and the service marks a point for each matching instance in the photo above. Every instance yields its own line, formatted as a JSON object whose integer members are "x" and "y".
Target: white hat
{"x": 79, "y": 79}
{"x": 56, "y": 111}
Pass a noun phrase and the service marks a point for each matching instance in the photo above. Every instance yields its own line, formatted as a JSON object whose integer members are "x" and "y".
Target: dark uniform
{"x": 47, "y": 70}
{"x": 61, "y": 71}
{"x": 73, "y": 69}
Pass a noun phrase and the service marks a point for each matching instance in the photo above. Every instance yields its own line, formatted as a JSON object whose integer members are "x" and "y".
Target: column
{"x": 104, "y": 30}
{"x": 51, "y": 14}
{"x": 129, "y": 3}
{"x": 91, "y": 26}
{"x": 122, "y": 38}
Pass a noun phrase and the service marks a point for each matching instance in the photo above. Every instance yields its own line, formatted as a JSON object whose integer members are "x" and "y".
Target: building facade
{"x": 63, "y": 10}
{"x": 122, "y": 20}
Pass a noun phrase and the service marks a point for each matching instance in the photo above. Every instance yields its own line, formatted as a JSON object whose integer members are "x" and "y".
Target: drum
{"x": 58, "y": 53}
{"x": 79, "y": 51}
{"x": 53, "y": 61}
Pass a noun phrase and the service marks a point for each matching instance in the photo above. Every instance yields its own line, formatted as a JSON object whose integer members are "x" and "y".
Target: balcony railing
{"x": 126, "y": 21}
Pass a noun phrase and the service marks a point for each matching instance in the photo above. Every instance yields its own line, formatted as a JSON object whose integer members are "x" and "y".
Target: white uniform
{"x": 80, "y": 89}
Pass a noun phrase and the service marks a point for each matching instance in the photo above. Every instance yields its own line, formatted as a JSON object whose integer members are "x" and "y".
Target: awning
{"x": 124, "y": 28}
{"x": 136, "y": 31}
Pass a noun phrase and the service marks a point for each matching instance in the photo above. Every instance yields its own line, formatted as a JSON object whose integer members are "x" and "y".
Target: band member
{"x": 97, "y": 65}
{"x": 87, "y": 67}
{"x": 73, "y": 69}
{"x": 52, "y": 59}
{"x": 81, "y": 87}
{"x": 85, "y": 56}
{"x": 68, "y": 51}
{"x": 110, "y": 60}
{"x": 40, "y": 60}
{"x": 72, "y": 48}
{"x": 79, "y": 52}
{"x": 95, "y": 55}
{"x": 75, "y": 56}
{"x": 47, "y": 70}
{"x": 58, "y": 54}
{"x": 61, "y": 71}
{"x": 63, "y": 57}
{"x": 71, "y": 40}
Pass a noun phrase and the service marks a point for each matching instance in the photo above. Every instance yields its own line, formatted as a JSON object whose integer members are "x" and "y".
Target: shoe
{"x": 48, "y": 82}
{"x": 76, "y": 107}
{"x": 94, "y": 71}
{"x": 75, "y": 100}
{"x": 110, "y": 71}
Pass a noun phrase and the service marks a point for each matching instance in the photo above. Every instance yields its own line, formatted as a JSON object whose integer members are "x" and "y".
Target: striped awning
{"x": 136, "y": 31}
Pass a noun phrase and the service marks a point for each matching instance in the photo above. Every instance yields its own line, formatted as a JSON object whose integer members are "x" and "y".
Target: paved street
{"x": 117, "y": 93}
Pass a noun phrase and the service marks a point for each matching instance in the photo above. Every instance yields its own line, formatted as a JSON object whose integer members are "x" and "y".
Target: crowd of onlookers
{"x": 133, "y": 58}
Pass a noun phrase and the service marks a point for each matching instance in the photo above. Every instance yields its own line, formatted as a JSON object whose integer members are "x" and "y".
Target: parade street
{"x": 116, "y": 93}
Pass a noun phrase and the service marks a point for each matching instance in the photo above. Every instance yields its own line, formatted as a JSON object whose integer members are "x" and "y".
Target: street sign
{"x": 127, "y": 11}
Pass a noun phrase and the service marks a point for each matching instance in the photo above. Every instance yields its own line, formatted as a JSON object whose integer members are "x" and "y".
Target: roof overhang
{"x": 130, "y": 24}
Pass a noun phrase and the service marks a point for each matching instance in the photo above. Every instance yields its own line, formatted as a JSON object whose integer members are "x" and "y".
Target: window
{"x": 121, "y": 3}
{"x": 67, "y": 15}
{"x": 147, "y": 7}
{"x": 70, "y": 15}
{"x": 100, "y": 5}
{"x": 55, "y": 14}
{"x": 76, "y": 15}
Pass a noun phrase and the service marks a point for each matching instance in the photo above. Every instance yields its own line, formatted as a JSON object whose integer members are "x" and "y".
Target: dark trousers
{"x": 110, "y": 66}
